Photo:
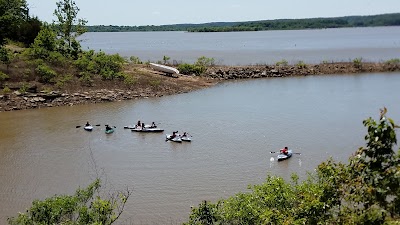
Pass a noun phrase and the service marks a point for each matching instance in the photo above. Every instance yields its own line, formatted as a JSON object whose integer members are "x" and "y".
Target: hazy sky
{"x": 161, "y": 12}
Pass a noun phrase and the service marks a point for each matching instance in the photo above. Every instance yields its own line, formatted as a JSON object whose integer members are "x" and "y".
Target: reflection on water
{"x": 234, "y": 125}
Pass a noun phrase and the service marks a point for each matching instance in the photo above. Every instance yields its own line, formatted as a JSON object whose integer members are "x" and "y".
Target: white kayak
{"x": 283, "y": 156}
{"x": 175, "y": 139}
{"x": 147, "y": 129}
{"x": 187, "y": 138}
{"x": 88, "y": 128}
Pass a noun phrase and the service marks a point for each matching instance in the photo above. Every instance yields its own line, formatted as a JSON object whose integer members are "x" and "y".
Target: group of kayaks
{"x": 174, "y": 137}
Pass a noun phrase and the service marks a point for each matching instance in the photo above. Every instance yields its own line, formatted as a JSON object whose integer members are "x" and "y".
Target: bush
{"x": 45, "y": 73}
{"x": 135, "y": 60}
{"x": 283, "y": 62}
{"x": 84, "y": 207}
{"x": 107, "y": 66}
{"x": 3, "y": 77}
{"x": 190, "y": 69}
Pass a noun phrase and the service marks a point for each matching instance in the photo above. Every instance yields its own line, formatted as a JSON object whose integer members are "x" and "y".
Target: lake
{"x": 374, "y": 44}
{"x": 234, "y": 126}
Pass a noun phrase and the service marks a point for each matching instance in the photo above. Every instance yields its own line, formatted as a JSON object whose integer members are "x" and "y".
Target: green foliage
{"x": 44, "y": 44}
{"x": 135, "y": 60}
{"x": 107, "y": 66}
{"x": 6, "y": 90}
{"x": 283, "y": 62}
{"x": 205, "y": 62}
{"x": 197, "y": 68}
{"x": 63, "y": 80}
{"x": 364, "y": 191}
{"x": 68, "y": 27}
{"x": 86, "y": 78}
{"x": 357, "y": 62}
{"x": 84, "y": 207}
{"x": 13, "y": 13}
{"x": 190, "y": 69}
{"x": 45, "y": 73}
{"x": 24, "y": 87}
{"x": 5, "y": 56}
{"x": 393, "y": 61}
{"x": 166, "y": 58}
{"x": 3, "y": 77}
{"x": 301, "y": 65}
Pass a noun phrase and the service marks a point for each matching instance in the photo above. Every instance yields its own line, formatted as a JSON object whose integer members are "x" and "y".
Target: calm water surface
{"x": 262, "y": 47}
{"x": 234, "y": 126}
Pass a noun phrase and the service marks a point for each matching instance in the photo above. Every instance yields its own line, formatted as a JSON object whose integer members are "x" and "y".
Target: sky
{"x": 164, "y": 12}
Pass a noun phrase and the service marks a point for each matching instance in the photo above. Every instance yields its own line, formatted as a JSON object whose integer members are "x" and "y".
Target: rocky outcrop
{"x": 246, "y": 72}
{"x": 18, "y": 101}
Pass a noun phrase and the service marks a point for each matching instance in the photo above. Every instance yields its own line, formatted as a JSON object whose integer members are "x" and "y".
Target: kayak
{"x": 175, "y": 139}
{"x": 109, "y": 131}
{"x": 154, "y": 130}
{"x": 282, "y": 156}
{"x": 88, "y": 128}
{"x": 185, "y": 138}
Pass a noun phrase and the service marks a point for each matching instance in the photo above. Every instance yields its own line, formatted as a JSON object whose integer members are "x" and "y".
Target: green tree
{"x": 5, "y": 56}
{"x": 86, "y": 206}
{"x": 12, "y": 15}
{"x": 166, "y": 58}
{"x": 44, "y": 43}
{"x": 68, "y": 27}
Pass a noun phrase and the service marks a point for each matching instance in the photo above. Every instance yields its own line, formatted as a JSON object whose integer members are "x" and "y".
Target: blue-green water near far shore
{"x": 234, "y": 126}
{"x": 375, "y": 44}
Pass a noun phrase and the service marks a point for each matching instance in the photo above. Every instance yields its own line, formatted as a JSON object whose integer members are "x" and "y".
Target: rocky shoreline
{"x": 31, "y": 99}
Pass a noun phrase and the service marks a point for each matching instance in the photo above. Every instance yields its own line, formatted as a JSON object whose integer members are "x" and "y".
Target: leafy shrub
{"x": 45, "y": 73}
{"x": 107, "y": 66}
{"x": 44, "y": 43}
{"x": 135, "y": 60}
{"x": 357, "y": 62}
{"x": 3, "y": 77}
{"x": 86, "y": 206}
{"x": 393, "y": 61}
{"x": 6, "y": 90}
{"x": 301, "y": 65}
{"x": 283, "y": 62}
{"x": 86, "y": 78}
{"x": 205, "y": 62}
{"x": 190, "y": 69}
{"x": 129, "y": 80}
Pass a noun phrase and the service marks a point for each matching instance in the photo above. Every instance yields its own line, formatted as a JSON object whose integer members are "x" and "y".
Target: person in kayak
{"x": 284, "y": 150}
{"x": 108, "y": 127}
{"x": 87, "y": 124}
{"x": 153, "y": 125}
{"x": 138, "y": 123}
{"x": 174, "y": 134}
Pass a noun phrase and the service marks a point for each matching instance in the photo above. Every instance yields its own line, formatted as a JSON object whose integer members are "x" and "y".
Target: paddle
{"x": 97, "y": 125}
{"x": 297, "y": 153}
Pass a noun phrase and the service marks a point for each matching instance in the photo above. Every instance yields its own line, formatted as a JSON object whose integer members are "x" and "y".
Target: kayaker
{"x": 87, "y": 123}
{"x": 153, "y": 125}
{"x": 142, "y": 125}
{"x": 108, "y": 127}
{"x": 174, "y": 134}
{"x": 184, "y": 134}
{"x": 285, "y": 150}
{"x": 138, "y": 123}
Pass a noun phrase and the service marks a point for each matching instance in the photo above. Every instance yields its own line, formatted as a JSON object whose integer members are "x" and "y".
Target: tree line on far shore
{"x": 392, "y": 19}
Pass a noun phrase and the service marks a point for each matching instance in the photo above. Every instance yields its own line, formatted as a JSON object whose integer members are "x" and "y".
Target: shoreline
{"x": 32, "y": 99}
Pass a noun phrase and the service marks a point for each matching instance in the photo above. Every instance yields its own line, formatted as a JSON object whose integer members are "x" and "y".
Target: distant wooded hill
{"x": 280, "y": 24}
